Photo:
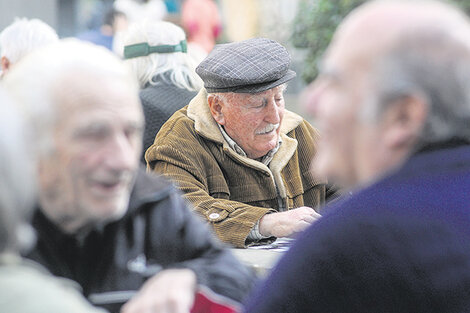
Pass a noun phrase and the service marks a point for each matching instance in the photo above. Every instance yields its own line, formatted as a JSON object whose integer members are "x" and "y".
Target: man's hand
{"x": 170, "y": 291}
{"x": 287, "y": 224}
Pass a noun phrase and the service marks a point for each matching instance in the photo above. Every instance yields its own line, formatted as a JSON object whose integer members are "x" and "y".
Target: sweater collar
{"x": 453, "y": 142}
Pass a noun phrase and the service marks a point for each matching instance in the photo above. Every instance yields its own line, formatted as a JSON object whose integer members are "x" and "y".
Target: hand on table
{"x": 288, "y": 223}
{"x": 170, "y": 291}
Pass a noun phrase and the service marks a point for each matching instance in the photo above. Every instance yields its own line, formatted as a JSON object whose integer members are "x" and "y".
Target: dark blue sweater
{"x": 399, "y": 245}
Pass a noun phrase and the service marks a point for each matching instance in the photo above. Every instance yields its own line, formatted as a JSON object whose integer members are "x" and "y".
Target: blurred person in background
{"x": 137, "y": 11}
{"x": 142, "y": 10}
{"x": 173, "y": 6}
{"x": 393, "y": 104}
{"x": 156, "y": 53}
{"x": 113, "y": 22}
{"x": 202, "y": 22}
{"x": 102, "y": 221}
{"x": 22, "y": 37}
{"x": 25, "y": 285}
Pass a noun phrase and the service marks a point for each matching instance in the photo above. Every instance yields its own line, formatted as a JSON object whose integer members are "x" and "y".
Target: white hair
{"x": 36, "y": 81}
{"x": 180, "y": 66}
{"x": 17, "y": 178}
{"x": 433, "y": 63}
{"x": 23, "y": 36}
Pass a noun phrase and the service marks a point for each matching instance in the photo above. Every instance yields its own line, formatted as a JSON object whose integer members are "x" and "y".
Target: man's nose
{"x": 274, "y": 112}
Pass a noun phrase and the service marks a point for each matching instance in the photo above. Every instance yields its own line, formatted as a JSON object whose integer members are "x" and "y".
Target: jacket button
{"x": 214, "y": 216}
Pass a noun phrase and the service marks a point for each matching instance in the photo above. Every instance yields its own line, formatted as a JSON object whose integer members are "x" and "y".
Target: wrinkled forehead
{"x": 253, "y": 97}
{"x": 85, "y": 90}
{"x": 96, "y": 100}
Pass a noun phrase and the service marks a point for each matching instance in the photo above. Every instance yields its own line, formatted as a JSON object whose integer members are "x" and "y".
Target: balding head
{"x": 380, "y": 26}
{"x": 57, "y": 75}
{"x": 87, "y": 101}
{"x": 394, "y": 79}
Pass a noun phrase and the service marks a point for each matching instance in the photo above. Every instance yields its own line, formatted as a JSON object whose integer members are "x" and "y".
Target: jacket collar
{"x": 206, "y": 126}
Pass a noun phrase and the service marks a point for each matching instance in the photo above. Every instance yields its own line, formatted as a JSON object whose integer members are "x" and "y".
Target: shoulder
{"x": 44, "y": 292}
{"x": 178, "y": 132}
{"x": 179, "y": 123}
{"x": 158, "y": 201}
{"x": 150, "y": 187}
{"x": 166, "y": 91}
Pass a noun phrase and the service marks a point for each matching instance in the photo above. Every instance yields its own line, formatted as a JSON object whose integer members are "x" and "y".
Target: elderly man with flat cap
{"x": 238, "y": 155}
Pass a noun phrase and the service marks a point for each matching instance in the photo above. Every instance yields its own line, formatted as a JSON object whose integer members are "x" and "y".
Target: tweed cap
{"x": 248, "y": 66}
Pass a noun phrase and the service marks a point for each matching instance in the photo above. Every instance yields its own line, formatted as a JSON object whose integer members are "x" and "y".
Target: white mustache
{"x": 268, "y": 128}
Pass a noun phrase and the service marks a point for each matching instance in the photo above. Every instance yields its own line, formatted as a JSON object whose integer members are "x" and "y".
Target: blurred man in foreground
{"x": 101, "y": 221}
{"x": 25, "y": 285}
{"x": 393, "y": 106}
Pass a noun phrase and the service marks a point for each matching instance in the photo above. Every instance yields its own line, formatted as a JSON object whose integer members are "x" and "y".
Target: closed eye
{"x": 263, "y": 103}
{"x": 133, "y": 130}
{"x": 93, "y": 132}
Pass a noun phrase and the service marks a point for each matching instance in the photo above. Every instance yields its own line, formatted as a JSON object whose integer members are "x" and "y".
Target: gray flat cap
{"x": 248, "y": 66}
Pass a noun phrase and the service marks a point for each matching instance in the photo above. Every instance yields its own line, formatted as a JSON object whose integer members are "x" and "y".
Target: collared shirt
{"x": 266, "y": 159}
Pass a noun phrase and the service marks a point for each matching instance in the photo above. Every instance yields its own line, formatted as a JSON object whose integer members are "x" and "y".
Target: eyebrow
{"x": 103, "y": 125}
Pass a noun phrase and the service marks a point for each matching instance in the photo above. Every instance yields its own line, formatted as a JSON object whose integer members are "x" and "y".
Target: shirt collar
{"x": 266, "y": 159}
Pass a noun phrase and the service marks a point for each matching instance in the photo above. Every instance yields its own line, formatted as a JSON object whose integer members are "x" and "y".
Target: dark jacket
{"x": 231, "y": 191}
{"x": 159, "y": 102}
{"x": 158, "y": 230}
{"x": 399, "y": 245}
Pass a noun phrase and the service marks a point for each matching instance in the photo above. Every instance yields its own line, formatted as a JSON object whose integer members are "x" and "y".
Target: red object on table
{"x": 207, "y": 301}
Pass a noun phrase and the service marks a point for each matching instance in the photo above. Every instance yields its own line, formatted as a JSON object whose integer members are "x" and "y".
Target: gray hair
{"x": 17, "y": 178}
{"x": 180, "y": 66}
{"x": 42, "y": 73}
{"x": 23, "y": 36}
{"x": 433, "y": 63}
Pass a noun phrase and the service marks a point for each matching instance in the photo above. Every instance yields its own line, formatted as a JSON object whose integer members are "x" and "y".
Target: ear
{"x": 216, "y": 108}
{"x": 5, "y": 64}
{"x": 404, "y": 120}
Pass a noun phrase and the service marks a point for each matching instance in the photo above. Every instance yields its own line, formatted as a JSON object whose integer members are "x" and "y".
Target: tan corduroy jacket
{"x": 231, "y": 191}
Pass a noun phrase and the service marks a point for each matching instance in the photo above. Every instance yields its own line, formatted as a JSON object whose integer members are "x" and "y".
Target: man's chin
{"x": 119, "y": 212}
{"x": 113, "y": 211}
